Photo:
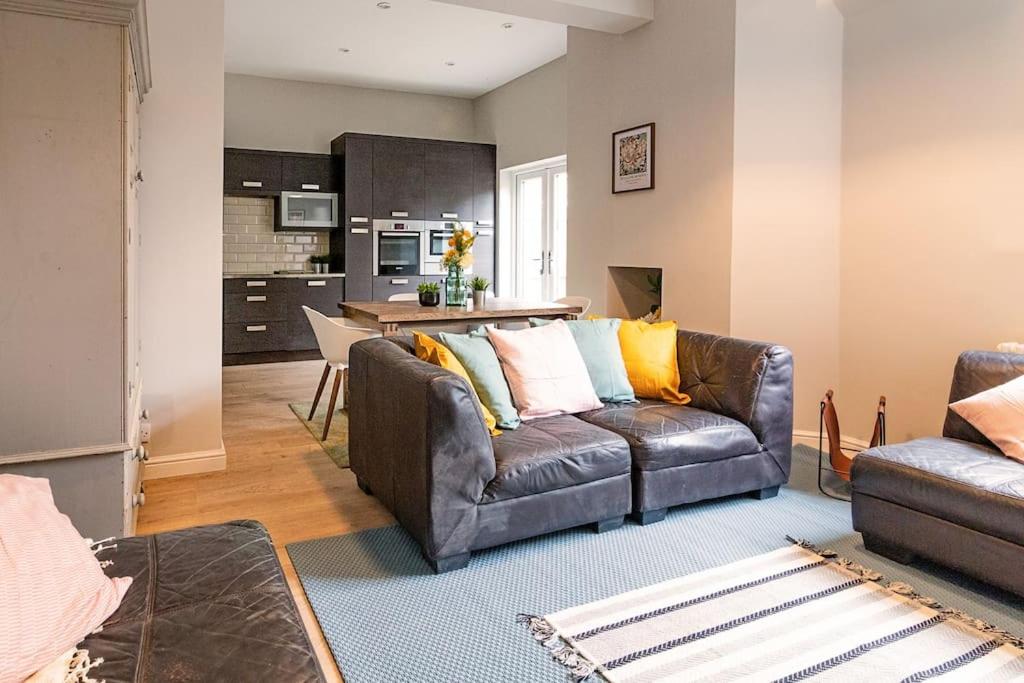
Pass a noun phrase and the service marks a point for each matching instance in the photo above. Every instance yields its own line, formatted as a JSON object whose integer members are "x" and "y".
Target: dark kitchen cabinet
{"x": 485, "y": 172}
{"x": 308, "y": 173}
{"x": 358, "y": 260}
{"x": 449, "y": 182}
{"x": 354, "y": 158}
{"x": 398, "y": 178}
{"x": 264, "y": 314}
{"x": 320, "y": 294}
{"x": 251, "y": 172}
{"x": 483, "y": 254}
{"x": 384, "y": 286}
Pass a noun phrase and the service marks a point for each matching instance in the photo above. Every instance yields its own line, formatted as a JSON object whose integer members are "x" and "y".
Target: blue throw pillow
{"x": 598, "y": 342}
{"x": 477, "y": 355}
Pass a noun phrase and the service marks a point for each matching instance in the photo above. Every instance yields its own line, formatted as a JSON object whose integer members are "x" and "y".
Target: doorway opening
{"x": 536, "y": 245}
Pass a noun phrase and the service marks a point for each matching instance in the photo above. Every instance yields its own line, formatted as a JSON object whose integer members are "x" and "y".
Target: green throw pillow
{"x": 598, "y": 342}
{"x": 477, "y": 355}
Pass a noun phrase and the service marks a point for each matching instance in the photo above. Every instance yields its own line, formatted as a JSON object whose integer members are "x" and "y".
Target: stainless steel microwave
{"x": 308, "y": 210}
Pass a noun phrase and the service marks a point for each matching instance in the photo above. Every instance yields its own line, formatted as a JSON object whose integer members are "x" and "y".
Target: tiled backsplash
{"x": 252, "y": 246}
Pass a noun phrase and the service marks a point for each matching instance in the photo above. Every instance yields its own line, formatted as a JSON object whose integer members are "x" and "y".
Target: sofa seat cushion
{"x": 662, "y": 435}
{"x": 207, "y": 603}
{"x": 552, "y": 453}
{"x": 958, "y": 481}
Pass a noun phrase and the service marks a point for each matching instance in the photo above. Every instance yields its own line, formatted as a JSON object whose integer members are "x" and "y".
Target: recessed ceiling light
{"x": 507, "y": 25}
{"x": 384, "y": 5}
{"x": 449, "y": 63}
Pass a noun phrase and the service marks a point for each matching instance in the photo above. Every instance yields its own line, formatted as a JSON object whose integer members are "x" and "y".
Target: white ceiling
{"x": 402, "y": 48}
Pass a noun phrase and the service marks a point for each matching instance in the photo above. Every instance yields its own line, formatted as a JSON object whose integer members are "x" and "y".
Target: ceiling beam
{"x": 610, "y": 16}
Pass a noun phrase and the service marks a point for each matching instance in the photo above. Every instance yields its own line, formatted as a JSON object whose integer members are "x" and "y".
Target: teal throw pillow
{"x": 598, "y": 342}
{"x": 477, "y": 355}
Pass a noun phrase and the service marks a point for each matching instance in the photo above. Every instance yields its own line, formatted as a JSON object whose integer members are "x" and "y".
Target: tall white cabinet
{"x": 72, "y": 76}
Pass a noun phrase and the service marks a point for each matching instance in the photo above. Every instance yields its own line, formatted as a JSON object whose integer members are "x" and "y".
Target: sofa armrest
{"x": 418, "y": 440}
{"x": 748, "y": 381}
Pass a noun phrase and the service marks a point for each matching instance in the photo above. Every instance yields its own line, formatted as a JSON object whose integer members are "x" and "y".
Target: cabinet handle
{"x": 449, "y": 215}
{"x": 255, "y": 283}
{"x": 252, "y": 183}
{"x": 310, "y": 186}
{"x": 358, "y": 219}
{"x": 255, "y": 298}
{"x": 485, "y": 232}
{"x": 255, "y": 328}
{"x": 399, "y": 214}
{"x": 402, "y": 281}
{"x": 317, "y": 283}
{"x": 485, "y": 224}
{"x": 360, "y": 231}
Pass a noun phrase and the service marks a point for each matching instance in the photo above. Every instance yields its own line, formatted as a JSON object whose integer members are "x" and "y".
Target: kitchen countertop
{"x": 313, "y": 276}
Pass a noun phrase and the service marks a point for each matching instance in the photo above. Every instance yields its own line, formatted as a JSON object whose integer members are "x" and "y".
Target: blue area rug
{"x": 387, "y": 617}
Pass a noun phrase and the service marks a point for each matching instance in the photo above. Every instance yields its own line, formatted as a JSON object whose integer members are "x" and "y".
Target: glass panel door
{"x": 540, "y": 233}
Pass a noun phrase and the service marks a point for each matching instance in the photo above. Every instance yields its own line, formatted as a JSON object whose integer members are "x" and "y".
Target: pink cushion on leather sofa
{"x": 998, "y": 413}
{"x": 53, "y": 592}
{"x": 545, "y": 370}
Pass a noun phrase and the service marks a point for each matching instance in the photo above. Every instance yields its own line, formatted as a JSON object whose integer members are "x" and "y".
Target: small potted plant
{"x": 430, "y": 293}
{"x": 479, "y": 286}
{"x": 321, "y": 263}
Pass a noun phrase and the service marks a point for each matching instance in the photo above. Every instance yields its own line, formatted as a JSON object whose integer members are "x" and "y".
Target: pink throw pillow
{"x": 545, "y": 370}
{"x": 53, "y": 592}
{"x": 998, "y": 414}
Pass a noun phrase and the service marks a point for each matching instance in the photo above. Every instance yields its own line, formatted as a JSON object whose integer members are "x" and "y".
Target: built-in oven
{"x": 436, "y": 244}
{"x": 397, "y": 247}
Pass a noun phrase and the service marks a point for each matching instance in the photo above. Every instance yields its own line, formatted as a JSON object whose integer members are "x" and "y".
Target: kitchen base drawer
{"x": 252, "y": 336}
{"x": 300, "y": 335}
{"x": 254, "y": 307}
{"x": 259, "y": 284}
{"x": 386, "y": 285}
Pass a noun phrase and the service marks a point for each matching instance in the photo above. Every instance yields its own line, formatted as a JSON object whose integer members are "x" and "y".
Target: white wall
{"x": 526, "y": 117}
{"x": 678, "y": 72}
{"x": 932, "y": 230}
{"x": 294, "y": 116}
{"x": 181, "y": 215}
{"x": 786, "y": 187}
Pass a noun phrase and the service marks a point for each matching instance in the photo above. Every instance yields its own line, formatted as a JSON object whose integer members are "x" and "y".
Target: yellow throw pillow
{"x": 438, "y": 354}
{"x": 649, "y": 351}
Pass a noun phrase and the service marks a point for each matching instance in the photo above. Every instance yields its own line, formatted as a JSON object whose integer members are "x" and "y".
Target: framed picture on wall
{"x": 633, "y": 159}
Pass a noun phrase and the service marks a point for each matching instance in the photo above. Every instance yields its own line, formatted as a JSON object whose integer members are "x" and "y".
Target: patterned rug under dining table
{"x": 391, "y": 317}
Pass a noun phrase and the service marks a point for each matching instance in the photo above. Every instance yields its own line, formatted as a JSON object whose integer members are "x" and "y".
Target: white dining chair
{"x": 581, "y": 301}
{"x": 406, "y": 296}
{"x": 335, "y": 339}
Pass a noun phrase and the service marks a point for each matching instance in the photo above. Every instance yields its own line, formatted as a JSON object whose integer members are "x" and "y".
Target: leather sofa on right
{"x": 955, "y": 500}
{"x": 417, "y": 442}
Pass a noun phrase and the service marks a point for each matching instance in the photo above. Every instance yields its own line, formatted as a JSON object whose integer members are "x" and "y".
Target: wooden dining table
{"x": 390, "y": 316}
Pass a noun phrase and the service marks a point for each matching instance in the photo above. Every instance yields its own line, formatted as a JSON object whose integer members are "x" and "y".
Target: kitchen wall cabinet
{"x": 71, "y": 353}
{"x": 263, "y": 173}
{"x": 398, "y": 179}
{"x": 251, "y": 172}
{"x": 308, "y": 173}
{"x": 449, "y": 182}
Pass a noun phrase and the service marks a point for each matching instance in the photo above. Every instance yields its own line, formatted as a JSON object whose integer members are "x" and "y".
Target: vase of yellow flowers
{"x": 458, "y": 257}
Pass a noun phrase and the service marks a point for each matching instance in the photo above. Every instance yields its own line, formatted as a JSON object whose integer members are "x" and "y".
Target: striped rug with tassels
{"x": 788, "y": 615}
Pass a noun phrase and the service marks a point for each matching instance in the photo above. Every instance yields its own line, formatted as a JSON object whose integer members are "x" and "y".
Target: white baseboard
{"x": 810, "y": 438}
{"x": 180, "y": 464}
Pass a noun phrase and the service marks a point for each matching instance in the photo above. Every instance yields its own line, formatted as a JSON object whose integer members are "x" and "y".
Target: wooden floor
{"x": 276, "y": 473}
